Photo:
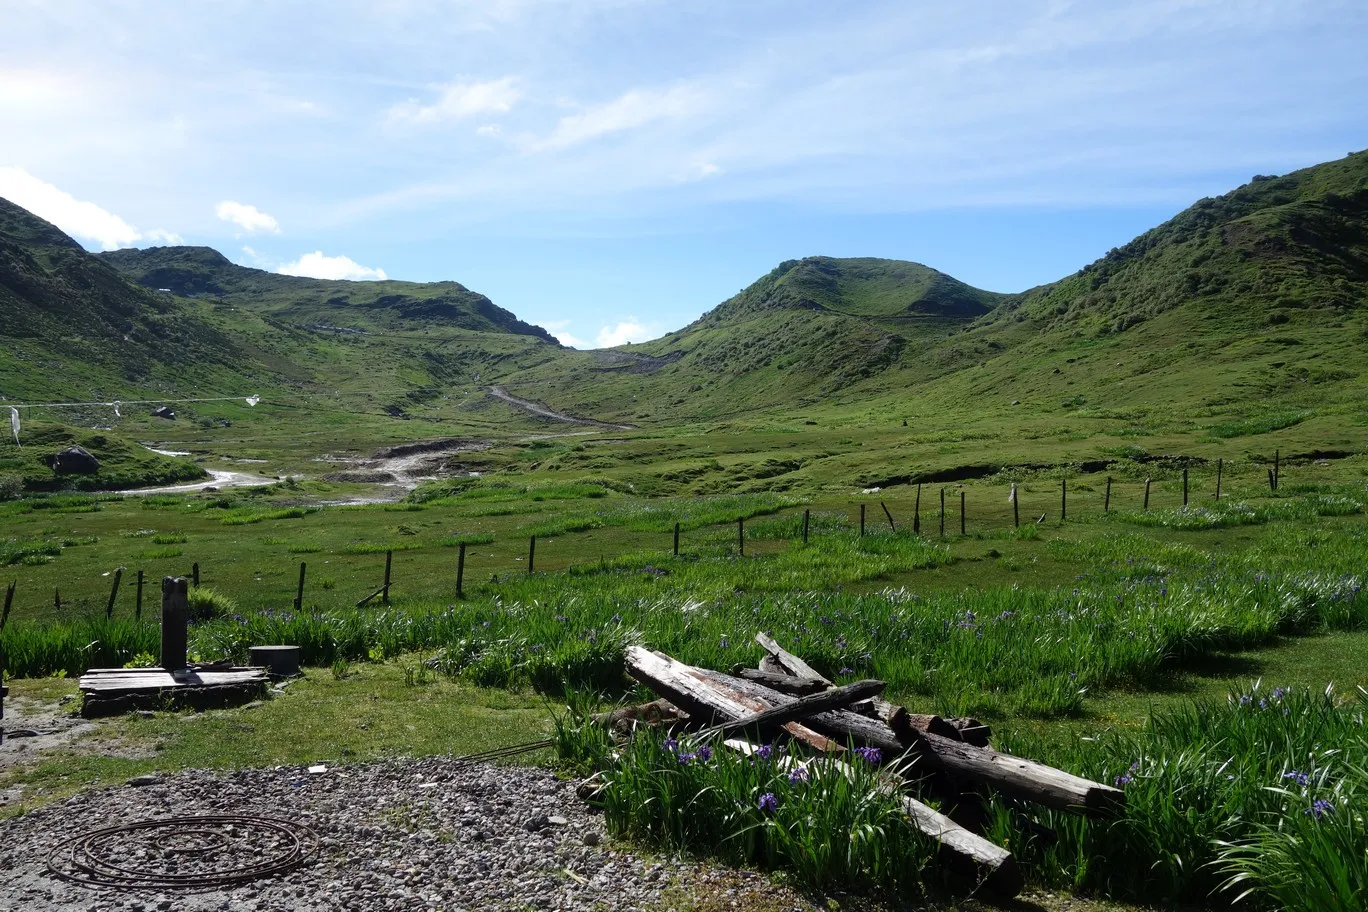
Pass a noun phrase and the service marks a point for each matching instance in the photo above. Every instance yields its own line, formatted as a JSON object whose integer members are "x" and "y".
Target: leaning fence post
{"x": 299, "y": 593}
{"x": 891, "y": 524}
{"x": 137, "y": 604}
{"x": 1220, "y": 464}
{"x": 916, "y": 514}
{"x": 1106, "y": 503}
{"x": 113, "y": 593}
{"x": 9, "y": 603}
{"x": 174, "y": 622}
{"x": 961, "y": 511}
{"x": 1147, "y": 489}
{"x": 807, "y": 518}
{"x": 531, "y": 554}
{"x": 460, "y": 571}
{"x": 384, "y": 590}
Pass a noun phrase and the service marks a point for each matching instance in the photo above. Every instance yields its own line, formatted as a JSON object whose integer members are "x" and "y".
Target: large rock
{"x": 164, "y": 412}
{"x": 74, "y": 460}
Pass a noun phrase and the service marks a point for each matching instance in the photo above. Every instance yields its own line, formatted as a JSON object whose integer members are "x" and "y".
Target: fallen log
{"x": 1019, "y": 777}
{"x": 683, "y": 686}
{"x": 780, "y": 681}
{"x": 988, "y": 864}
{"x": 801, "y": 708}
{"x": 788, "y": 661}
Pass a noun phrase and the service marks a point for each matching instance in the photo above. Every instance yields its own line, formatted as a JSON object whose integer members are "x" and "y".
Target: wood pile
{"x": 950, "y": 760}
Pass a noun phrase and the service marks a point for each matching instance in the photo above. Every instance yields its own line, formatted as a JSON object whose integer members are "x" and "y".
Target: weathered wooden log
{"x": 988, "y": 864}
{"x": 788, "y": 661}
{"x": 841, "y": 725}
{"x": 801, "y": 708}
{"x": 1019, "y": 777}
{"x": 780, "y": 681}
{"x": 971, "y": 731}
{"x": 702, "y": 699}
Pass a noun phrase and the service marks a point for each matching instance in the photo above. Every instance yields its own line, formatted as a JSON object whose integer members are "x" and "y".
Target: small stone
{"x": 558, "y": 821}
{"x": 145, "y": 779}
{"x": 592, "y": 838}
{"x": 536, "y": 822}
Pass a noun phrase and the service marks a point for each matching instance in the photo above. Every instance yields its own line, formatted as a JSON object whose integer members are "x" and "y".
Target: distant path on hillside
{"x": 498, "y": 392}
{"x": 218, "y": 479}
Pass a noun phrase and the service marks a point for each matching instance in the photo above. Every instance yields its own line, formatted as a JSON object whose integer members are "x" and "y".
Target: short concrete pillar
{"x": 279, "y": 661}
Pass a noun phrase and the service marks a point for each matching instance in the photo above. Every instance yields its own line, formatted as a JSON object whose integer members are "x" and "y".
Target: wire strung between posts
{"x": 500, "y": 753}
{"x": 83, "y": 859}
{"x": 115, "y": 403}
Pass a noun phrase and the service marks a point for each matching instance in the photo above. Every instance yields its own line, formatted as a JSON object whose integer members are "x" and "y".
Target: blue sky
{"x": 611, "y": 169}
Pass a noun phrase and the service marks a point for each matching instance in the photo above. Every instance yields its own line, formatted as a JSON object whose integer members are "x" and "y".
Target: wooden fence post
{"x": 891, "y": 525}
{"x": 1016, "y": 508}
{"x": 741, "y": 537}
{"x": 1277, "y": 468}
{"x": 137, "y": 604}
{"x": 676, "y": 540}
{"x": 916, "y": 514}
{"x": 175, "y": 619}
{"x": 961, "y": 511}
{"x": 460, "y": 571}
{"x": 531, "y": 554}
{"x": 862, "y": 524}
{"x": 1106, "y": 503}
{"x": 1185, "y": 486}
{"x": 942, "y": 513}
{"x": 1063, "y": 499}
{"x": 1147, "y": 489}
{"x": 389, "y": 562}
{"x": 299, "y": 593}
{"x": 194, "y": 573}
{"x": 9, "y": 603}
{"x": 807, "y": 519}
{"x": 1272, "y": 481}
{"x": 57, "y": 598}
{"x": 1220, "y": 464}
{"x": 113, "y": 593}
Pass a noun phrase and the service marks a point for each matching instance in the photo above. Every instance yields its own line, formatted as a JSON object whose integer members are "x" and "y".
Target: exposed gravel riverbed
{"x": 415, "y": 834}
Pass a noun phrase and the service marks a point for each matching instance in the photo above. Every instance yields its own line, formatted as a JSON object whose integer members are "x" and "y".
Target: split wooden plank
{"x": 796, "y": 710}
{"x": 790, "y": 662}
{"x": 780, "y": 681}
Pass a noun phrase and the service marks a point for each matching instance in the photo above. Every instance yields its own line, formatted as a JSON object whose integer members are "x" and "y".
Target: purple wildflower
{"x": 722, "y": 643}
{"x": 1246, "y": 700}
{"x": 847, "y": 670}
{"x": 671, "y": 744}
{"x": 1320, "y": 808}
{"x": 1299, "y": 777}
{"x": 765, "y": 751}
{"x": 768, "y": 803}
{"x": 704, "y": 753}
{"x": 798, "y": 775}
{"x": 870, "y": 754}
{"x": 1279, "y": 693}
{"x": 685, "y": 758}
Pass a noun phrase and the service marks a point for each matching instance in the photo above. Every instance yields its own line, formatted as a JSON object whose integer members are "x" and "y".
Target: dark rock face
{"x": 74, "y": 460}
{"x": 164, "y": 412}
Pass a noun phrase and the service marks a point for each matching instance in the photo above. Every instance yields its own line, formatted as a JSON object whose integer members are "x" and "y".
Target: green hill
{"x": 318, "y": 303}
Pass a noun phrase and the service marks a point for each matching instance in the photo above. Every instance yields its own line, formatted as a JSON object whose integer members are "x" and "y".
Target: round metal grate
{"x": 183, "y": 852}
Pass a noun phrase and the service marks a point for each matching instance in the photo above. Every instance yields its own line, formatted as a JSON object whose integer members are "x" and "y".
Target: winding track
{"x": 498, "y": 392}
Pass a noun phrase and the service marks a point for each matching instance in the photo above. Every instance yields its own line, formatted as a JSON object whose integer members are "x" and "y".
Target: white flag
{"x": 253, "y": 400}
{"x": 1011, "y": 498}
{"x": 14, "y": 424}
{"x": 117, "y": 414}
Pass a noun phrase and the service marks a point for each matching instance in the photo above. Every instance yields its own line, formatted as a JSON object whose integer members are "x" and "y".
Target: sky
{"x": 612, "y": 169}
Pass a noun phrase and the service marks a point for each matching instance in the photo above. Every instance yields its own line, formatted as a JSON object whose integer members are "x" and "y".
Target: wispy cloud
{"x": 624, "y": 331}
{"x": 458, "y": 101}
{"x": 316, "y": 265}
{"x": 626, "y": 112}
{"x": 249, "y": 218}
{"x": 80, "y": 218}
{"x": 558, "y": 329}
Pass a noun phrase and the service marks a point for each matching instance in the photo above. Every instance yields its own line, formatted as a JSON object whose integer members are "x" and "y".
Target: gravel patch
{"x": 403, "y": 835}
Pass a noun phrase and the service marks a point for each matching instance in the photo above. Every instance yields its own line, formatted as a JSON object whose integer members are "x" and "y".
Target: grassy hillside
{"x": 318, "y": 304}
{"x": 123, "y": 463}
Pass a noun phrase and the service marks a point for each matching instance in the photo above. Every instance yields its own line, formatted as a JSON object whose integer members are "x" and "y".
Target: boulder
{"x": 164, "y": 412}
{"x": 74, "y": 460}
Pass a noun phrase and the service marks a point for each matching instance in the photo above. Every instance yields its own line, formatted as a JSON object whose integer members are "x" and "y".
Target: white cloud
{"x": 458, "y": 101}
{"x": 488, "y": 130}
{"x": 317, "y": 266}
{"x": 169, "y": 238}
{"x": 634, "y": 109}
{"x": 558, "y": 329}
{"x": 249, "y": 218}
{"x": 76, "y": 217}
{"x": 628, "y": 330}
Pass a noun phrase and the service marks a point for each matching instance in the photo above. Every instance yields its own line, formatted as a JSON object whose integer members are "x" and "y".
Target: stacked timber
{"x": 950, "y": 758}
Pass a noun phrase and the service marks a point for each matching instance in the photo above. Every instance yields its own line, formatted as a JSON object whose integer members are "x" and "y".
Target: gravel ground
{"x": 419, "y": 834}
